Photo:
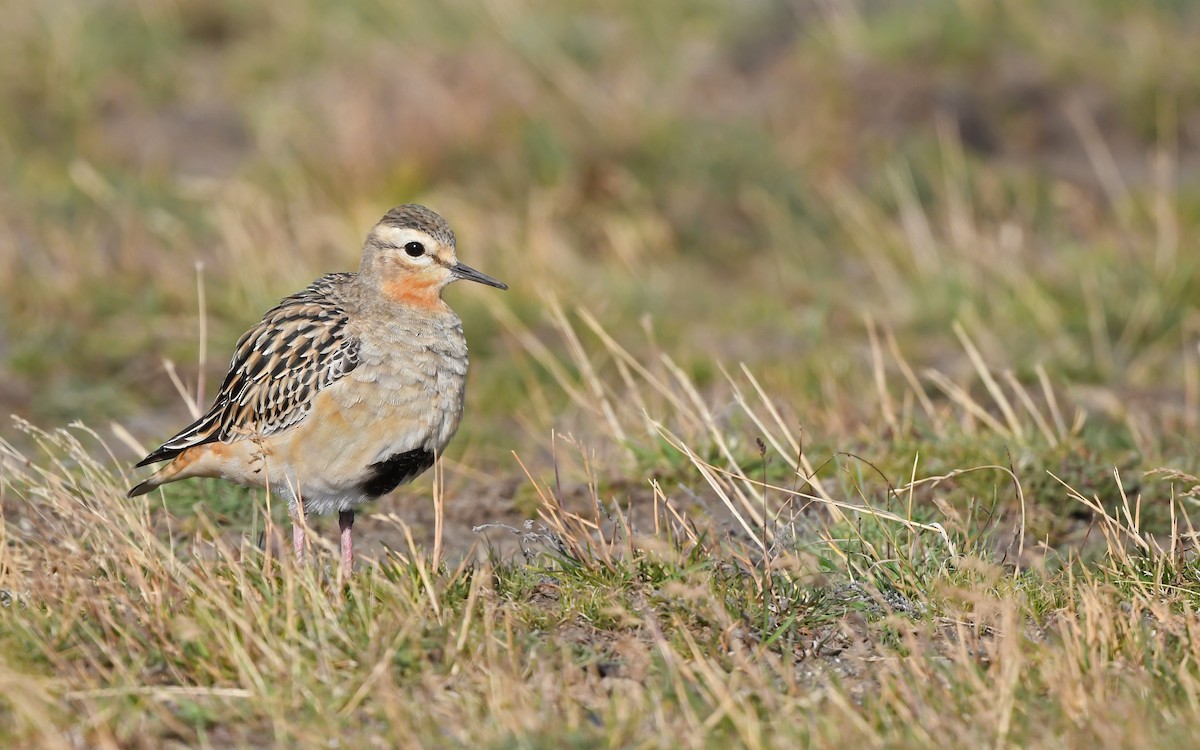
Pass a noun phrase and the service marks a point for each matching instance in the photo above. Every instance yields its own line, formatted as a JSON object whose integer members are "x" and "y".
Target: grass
{"x": 847, "y": 392}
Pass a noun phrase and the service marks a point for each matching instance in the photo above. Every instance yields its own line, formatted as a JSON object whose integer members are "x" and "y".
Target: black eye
{"x": 415, "y": 249}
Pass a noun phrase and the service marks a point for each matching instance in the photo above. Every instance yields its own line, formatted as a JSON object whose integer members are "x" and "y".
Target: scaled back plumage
{"x": 300, "y": 346}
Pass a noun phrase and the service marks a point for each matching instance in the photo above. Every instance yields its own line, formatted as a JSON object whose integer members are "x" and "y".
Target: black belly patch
{"x": 390, "y": 473}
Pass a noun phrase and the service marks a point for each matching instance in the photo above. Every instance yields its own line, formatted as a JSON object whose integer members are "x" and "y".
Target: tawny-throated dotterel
{"x": 345, "y": 390}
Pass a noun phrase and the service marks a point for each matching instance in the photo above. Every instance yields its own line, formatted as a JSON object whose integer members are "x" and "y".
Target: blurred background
{"x": 820, "y": 189}
{"x": 929, "y": 268}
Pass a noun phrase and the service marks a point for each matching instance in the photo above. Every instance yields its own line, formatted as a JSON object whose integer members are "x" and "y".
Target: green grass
{"x": 604, "y": 636}
{"x": 847, "y": 391}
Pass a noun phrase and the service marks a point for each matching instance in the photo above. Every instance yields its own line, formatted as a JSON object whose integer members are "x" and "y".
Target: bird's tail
{"x": 168, "y": 473}
{"x": 152, "y": 482}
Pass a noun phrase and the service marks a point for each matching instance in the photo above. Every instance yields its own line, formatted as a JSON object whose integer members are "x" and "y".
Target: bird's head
{"x": 410, "y": 255}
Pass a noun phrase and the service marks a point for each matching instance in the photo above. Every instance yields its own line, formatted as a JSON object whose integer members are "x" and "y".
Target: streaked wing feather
{"x": 300, "y": 347}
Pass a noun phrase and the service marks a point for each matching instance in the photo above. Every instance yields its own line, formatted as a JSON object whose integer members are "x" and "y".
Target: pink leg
{"x": 345, "y": 523}
{"x": 298, "y": 540}
{"x": 298, "y": 530}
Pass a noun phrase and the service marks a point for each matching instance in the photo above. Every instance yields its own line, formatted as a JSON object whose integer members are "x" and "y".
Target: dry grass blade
{"x": 985, "y": 375}
{"x": 740, "y": 507}
{"x": 713, "y": 474}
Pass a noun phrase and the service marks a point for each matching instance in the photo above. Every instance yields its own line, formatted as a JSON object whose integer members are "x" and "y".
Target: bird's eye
{"x": 414, "y": 249}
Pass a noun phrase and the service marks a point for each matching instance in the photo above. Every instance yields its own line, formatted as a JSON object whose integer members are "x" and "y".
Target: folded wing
{"x": 300, "y": 347}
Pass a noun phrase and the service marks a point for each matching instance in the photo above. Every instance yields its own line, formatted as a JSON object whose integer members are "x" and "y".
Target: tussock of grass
{"x": 836, "y": 623}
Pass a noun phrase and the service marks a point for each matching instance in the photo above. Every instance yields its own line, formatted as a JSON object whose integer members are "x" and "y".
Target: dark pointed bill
{"x": 470, "y": 274}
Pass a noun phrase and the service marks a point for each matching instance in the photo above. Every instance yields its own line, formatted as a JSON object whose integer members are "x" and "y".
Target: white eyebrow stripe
{"x": 401, "y": 236}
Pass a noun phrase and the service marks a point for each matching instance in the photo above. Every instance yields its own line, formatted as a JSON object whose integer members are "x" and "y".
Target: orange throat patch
{"x": 415, "y": 291}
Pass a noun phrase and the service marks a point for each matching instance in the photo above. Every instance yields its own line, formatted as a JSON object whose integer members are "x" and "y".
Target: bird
{"x": 346, "y": 389}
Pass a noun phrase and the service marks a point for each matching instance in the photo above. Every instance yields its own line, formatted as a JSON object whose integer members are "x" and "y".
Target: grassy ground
{"x": 847, "y": 392}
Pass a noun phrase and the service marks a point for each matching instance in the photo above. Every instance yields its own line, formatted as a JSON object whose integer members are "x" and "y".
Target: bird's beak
{"x": 470, "y": 274}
